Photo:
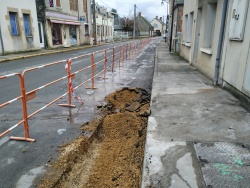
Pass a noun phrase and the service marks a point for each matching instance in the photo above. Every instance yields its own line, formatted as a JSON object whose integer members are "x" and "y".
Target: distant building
{"x": 159, "y": 25}
{"x": 104, "y": 24}
{"x": 19, "y": 27}
{"x": 143, "y": 27}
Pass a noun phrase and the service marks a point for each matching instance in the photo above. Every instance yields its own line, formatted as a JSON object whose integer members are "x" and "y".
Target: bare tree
{"x": 127, "y": 24}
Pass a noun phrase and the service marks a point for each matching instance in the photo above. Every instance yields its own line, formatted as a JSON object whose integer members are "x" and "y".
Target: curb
{"x": 47, "y": 53}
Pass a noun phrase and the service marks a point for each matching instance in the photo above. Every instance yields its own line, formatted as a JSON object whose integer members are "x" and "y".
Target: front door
{"x": 41, "y": 34}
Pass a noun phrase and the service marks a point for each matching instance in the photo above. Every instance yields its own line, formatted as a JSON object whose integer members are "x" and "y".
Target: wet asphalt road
{"x": 22, "y": 162}
{"x": 11, "y": 114}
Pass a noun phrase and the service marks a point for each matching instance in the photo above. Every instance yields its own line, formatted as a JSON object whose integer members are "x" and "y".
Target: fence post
{"x": 126, "y": 51}
{"x": 93, "y": 72}
{"x": 120, "y": 56}
{"x": 122, "y": 53}
{"x": 113, "y": 59}
{"x": 68, "y": 68}
{"x": 129, "y": 51}
{"x": 105, "y": 63}
{"x": 25, "y": 114}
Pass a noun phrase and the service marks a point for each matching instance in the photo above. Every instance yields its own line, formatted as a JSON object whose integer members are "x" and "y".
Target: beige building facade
{"x": 62, "y": 23}
{"x": 19, "y": 27}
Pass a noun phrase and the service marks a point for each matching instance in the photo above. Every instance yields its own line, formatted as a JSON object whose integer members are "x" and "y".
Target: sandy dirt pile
{"x": 110, "y": 152}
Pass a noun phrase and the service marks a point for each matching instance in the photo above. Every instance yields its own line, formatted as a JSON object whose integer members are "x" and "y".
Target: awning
{"x": 56, "y": 21}
{"x": 68, "y": 22}
{"x": 72, "y": 23}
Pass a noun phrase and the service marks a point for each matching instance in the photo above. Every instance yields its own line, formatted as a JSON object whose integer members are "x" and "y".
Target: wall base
{"x": 244, "y": 99}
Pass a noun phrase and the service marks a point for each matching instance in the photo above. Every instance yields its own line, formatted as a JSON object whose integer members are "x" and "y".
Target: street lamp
{"x": 172, "y": 18}
{"x": 162, "y": 3}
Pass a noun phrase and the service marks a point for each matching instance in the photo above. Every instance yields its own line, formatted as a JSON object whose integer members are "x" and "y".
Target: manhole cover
{"x": 224, "y": 164}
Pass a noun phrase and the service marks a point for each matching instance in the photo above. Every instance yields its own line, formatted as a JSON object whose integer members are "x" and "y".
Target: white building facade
{"x": 159, "y": 25}
{"x": 19, "y": 27}
{"x": 104, "y": 24}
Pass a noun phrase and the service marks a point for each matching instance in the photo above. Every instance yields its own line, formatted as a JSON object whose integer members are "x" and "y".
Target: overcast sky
{"x": 148, "y": 8}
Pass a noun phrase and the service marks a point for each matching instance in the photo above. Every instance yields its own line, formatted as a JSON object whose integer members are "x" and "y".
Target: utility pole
{"x": 134, "y": 20}
{"x": 167, "y": 22}
{"x": 94, "y": 23}
{"x": 162, "y": 23}
{"x": 172, "y": 24}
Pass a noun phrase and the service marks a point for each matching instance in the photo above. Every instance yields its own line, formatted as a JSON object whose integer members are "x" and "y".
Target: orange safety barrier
{"x": 25, "y": 97}
{"x": 124, "y": 51}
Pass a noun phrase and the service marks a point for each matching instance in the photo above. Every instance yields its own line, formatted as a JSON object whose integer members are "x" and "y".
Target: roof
{"x": 160, "y": 21}
{"x": 142, "y": 24}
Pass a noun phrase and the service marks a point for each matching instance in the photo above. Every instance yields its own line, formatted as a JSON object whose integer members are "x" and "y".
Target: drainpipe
{"x": 219, "y": 50}
{"x": 3, "y": 53}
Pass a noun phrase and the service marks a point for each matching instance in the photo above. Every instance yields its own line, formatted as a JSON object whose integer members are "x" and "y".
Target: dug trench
{"x": 110, "y": 150}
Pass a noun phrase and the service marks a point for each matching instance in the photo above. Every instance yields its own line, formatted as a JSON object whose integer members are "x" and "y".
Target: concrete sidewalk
{"x": 198, "y": 134}
{"x": 15, "y": 56}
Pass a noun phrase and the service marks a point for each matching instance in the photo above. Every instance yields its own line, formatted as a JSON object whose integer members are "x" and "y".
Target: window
{"x": 190, "y": 27}
{"x": 72, "y": 33}
{"x": 155, "y": 25}
{"x": 98, "y": 30}
{"x": 56, "y": 34}
{"x": 73, "y": 5}
{"x": 238, "y": 20}
{"x": 86, "y": 30}
{"x": 186, "y": 28}
{"x": 210, "y": 25}
{"x": 13, "y": 23}
{"x": 26, "y": 21}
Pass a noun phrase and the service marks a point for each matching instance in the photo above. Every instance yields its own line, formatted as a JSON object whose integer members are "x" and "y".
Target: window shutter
{"x": 58, "y": 3}
{"x": 26, "y": 24}
{"x": 85, "y": 6}
{"x": 76, "y": 7}
{"x": 13, "y": 23}
{"x": 70, "y": 4}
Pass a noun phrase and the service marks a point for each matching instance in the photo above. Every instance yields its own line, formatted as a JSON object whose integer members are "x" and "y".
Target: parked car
{"x": 155, "y": 34}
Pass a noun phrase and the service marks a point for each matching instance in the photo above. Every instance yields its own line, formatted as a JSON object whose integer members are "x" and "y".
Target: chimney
{"x": 160, "y": 18}
{"x": 139, "y": 14}
{"x": 156, "y": 17}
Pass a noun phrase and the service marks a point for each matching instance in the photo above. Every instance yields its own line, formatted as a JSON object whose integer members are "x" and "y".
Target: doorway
{"x": 41, "y": 34}
{"x": 197, "y": 35}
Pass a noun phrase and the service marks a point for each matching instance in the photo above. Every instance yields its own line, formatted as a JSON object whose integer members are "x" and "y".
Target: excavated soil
{"x": 111, "y": 149}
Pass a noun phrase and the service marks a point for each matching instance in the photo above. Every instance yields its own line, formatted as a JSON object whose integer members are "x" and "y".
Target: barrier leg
{"x": 93, "y": 72}
{"x": 25, "y": 115}
{"x": 70, "y": 87}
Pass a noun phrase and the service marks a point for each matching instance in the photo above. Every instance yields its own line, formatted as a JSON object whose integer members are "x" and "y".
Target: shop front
{"x": 62, "y": 30}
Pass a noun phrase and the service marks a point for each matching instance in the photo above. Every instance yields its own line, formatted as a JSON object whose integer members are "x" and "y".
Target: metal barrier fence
{"x": 122, "y": 52}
